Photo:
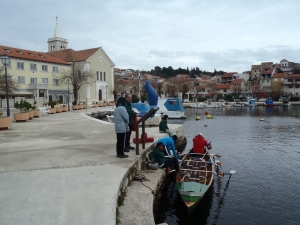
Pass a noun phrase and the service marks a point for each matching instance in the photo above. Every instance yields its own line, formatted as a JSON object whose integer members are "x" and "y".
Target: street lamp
{"x": 68, "y": 82}
{"x": 106, "y": 94}
{"x": 5, "y": 61}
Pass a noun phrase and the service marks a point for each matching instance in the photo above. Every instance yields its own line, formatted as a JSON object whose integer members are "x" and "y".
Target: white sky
{"x": 228, "y": 35}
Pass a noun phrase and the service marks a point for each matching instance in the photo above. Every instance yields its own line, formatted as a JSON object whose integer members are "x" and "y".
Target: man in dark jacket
{"x": 158, "y": 156}
{"x": 131, "y": 114}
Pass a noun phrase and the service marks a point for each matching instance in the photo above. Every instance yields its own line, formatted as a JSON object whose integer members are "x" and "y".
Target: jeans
{"x": 121, "y": 138}
{"x": 128, "y": 134}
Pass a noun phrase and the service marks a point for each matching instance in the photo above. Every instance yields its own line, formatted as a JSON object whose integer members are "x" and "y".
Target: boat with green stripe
{"x": 198, "y": 174}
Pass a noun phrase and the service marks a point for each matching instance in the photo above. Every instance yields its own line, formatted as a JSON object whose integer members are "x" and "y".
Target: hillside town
{"x": 265, "y": 80}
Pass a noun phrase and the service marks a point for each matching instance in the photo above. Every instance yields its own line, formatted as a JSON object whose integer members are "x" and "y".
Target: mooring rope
{"x": 141, "y": 178}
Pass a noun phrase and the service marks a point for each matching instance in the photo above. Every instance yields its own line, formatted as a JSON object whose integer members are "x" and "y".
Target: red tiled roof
{"x": 238, "y": 81}
{"x": 222, "y": 86}
{"x": 279, "y": 75}
{"x": 267, "y": 72}
{"x": 293, "y": 76}
{"x": 71, "y": 55}
{"x": 228, "y": 74}
{"x": 29, "y": 55}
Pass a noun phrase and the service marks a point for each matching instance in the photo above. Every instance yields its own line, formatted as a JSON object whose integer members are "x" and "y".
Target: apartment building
{"x": 34, "y": 72}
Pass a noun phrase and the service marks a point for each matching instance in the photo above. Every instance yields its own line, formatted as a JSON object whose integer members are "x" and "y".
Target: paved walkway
{"x": 61, "y": 169}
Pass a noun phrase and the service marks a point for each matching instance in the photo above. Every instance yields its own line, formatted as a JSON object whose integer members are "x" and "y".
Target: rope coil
{"x": 141, "y": 178}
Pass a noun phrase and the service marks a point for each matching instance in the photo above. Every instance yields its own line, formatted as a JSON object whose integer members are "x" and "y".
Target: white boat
{"x": 172, "y": 107}
{"x": 250, "y": 103}
{"x": 237, "y": 104}
{"x": 286, "y": 102}
{"x": 198, "y": 106}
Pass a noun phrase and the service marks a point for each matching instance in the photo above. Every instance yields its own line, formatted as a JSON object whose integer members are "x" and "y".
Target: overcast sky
{"x": 228, "y": 35}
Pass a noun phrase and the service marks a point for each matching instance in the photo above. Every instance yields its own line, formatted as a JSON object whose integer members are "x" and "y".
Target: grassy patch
{"x": 117, "y": 216}
{"x": 121, "y": 198}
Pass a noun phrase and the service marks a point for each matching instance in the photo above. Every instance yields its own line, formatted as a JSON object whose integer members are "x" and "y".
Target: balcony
{"x": 38, "y": 86}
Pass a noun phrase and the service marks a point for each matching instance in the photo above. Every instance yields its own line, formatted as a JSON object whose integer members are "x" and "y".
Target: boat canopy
{"x": 252, "y": 101}
{"x": 174, "y": 104}
{"x": 269, "y": 101}
{"x": 143, "y": 108}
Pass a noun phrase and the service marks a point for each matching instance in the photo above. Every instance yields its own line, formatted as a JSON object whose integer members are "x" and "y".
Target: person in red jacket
{"x": 198, "y": 144}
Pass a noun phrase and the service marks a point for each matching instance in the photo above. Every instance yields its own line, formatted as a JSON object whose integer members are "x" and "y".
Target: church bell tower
{"x": 57, "y": 42}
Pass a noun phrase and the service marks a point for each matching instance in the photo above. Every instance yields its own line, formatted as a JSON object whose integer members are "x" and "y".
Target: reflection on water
{"x": 266, "y": 156}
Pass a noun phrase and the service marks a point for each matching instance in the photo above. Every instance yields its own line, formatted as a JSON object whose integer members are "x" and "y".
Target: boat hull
{"x": 196, "y": 180}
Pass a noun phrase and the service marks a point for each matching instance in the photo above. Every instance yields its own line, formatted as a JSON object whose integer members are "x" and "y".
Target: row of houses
{"x": 37, "y": 74}
{"x": 261, "y": 81}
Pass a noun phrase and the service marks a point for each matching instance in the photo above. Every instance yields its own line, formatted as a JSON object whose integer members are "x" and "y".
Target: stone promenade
{"x": 61, "y": 169}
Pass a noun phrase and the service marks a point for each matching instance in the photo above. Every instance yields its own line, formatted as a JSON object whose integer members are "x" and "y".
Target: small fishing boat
{"x": 250, "y": 103}
{"x": 269, "y": 103}
{"x": 286, "y": 102}
{"x": 198, "y": 106}
{"x": 198, "y": 174}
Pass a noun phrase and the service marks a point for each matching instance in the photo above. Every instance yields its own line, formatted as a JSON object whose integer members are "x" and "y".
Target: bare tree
{"x": 12, "y": 84}
{"x": 77, "y": 76}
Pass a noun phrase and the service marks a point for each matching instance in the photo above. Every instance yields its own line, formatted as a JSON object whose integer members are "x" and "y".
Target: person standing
{"x": 121, "y": 127}
{"x": 199, "y": 143}
{"x": 132, "y": 115}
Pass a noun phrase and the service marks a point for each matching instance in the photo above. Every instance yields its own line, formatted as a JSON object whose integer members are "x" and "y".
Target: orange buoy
{"x": 206, "y": 113}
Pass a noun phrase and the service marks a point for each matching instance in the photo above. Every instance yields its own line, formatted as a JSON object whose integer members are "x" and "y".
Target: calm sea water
{"x": 266, "y": 156}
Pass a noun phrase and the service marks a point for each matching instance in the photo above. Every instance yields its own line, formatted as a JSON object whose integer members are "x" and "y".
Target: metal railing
{"x": 142, "y": 120}
{"x": 38, "y": 85}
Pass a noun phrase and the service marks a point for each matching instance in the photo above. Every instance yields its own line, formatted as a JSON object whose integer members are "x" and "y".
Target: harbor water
{"x": 263, "y": 146}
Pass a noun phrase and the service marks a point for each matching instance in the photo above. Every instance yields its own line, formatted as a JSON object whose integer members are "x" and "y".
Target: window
{"x": 21, "y": 80}
{"x": 30, "y": 53}
{"x": 52, "y": 48}
{"x": 7, "y": 50}
{"x": 33, "y": 66}
{"x": 297, "y": 93}
{"x": 55, "y": 69}
{"x": 267, "y": 81}
{"x": 297, "y": 86}
{"x": 290, "y": 80}
{"x": 21, "y": 53}
{"x": 33, "y": 80}
{"x": 104, "y": 76}
{"x": 97, "y": 74}
{"x": 42, "y": 56}
{"x": 290, "y": 86}
{"x": 45, "y": 68}
{"x": 275, "y": 79}
{"x": 101, "y": 76}
{"x": 45, "y": 80}
{"x": 50, "y": 98}
{"x": 20, "y": 66}
{"x": 55, "y": 82}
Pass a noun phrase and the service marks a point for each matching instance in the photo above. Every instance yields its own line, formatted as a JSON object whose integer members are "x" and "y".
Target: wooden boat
{"x": 197, "y": 178}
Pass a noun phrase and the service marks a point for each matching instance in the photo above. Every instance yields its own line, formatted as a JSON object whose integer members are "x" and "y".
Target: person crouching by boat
{"x": 121, "y": 127}
{"x": 169, "y": 142}
{"x": 158, "y": 156}
{"x": 199, "y": 142}
{"x": 163, "y": 126}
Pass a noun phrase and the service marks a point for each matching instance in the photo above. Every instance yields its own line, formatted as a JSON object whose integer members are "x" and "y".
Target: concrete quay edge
{"x": 62, "y": 169}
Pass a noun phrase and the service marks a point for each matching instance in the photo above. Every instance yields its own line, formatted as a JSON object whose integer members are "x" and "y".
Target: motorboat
{"x": 237, "y": 104}
{"x": 269, "y": 103}
{"x": 198, "y": 106}
{"x": 286, "y": 102}
{"x": 250, "y": 103}
{"x": 172, "y": 107}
